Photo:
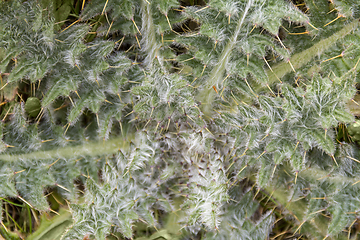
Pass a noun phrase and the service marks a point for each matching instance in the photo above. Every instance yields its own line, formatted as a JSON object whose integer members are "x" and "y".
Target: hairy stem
{"x": 148, "y": 41}
{"x": 300, "y": 59}
{"x": 216, "y": 75}
{"x": 87, "y": 149}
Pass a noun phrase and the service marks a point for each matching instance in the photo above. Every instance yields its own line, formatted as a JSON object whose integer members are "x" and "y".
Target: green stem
{"x": 87, "y": 149}
{"x": 313, "y": 174}
{"x": 149, "y": 43}
{"x": 300, "y": 59}
{"x": 216, "y": 75}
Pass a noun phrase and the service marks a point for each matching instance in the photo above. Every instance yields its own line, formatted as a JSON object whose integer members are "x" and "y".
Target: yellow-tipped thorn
{"x": 167, "y": 19}
{"x": 234, "y": 98}
{"x": 54, "y": 162}
{"x": 78, "y": 67}
{"x": 253, "y": 28}
{"x": 4, "y": 226}
{"x": 264, "y": 137}
{"x": 120, "y": 97}
{"x": 152, "y": 110}
{"x": 182, "y": 61}
{"x": 201, "y": 9}
{"x": 59, "y": 40}
{"x": 130, "y": 48}
{"x": 340, "y": 55}
{"x": 203, "y": 70}
{"x": 332, "y": 156}
{"x": 215, "y": 89}
{"x": 334, "y": 9}
{"x": 261, "y": 155}
{"x": 301, "y": 33}
{"x": 25, "y": 201}
{"x": 108, "y": 101}
{"x": 354, "y": 159}
{"x": 209, "y": 131}
{"x": 292, "y": 67}
{"x": 272, "y": 70}
{"x": 270, "y": 90}
{"x": 167, "y": 127}
{"x": 70, "y": 25}
{"x": 6, "y": 114}
{"x": 190, "y": 118}
{"x": 257, "y": 192}
{"x": 62, "y": 187}
{"x": 312, "y": 26}
{"x": 351, "y": 227}
{"x": 104, "y": 7}
{"x": 323, "y": 177}
{"x": 136, "y": 26}
{"x": 244, "y": 153}
{"x": 222, "y": 91}
{"x": 296, "y": 175}
{"x": 355, "y": 183}
{"x": 39, "y": 116}
{"x": 273, "y": 172}
{"x": 241, "y": 170}
{"x": 157, "y": 125}
{"x": 121, "y": 129}
{"x": 68, "y": 125}
{"x": 54, "y": 212}
{"x": 225, "y": 79}
{"x": 356, "y": 64}
{"x": 251, "y": 88}
{"x": 3, "y": 86}
{"x": 97, "y": 119}
{"x": 277, "y": 36}
{"x": 298, "y": 229}
{"x": 147, "y": 123}
{"x": 137, "y": 40}
{"x": 71, "y": 101}
{"x": 77, "y": 94}
{"x": 297, "y": 144}
{"x": 321, "y": 210}
{"x": 121, "y": 41}
{"x": 20, "y": 171}
{"x": 269, "y": 197}
{"x": 325, "y": 133}
{"x": 129, "y": 113}
{"x": 83, "y": 4}
{"x": 107, "y": 33}
{"x": 280, "y": 234}
{"x": 339, "y": 16}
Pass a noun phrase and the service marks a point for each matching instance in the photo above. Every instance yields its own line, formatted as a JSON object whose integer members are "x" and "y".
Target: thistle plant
{"x": 187, "y": 108}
